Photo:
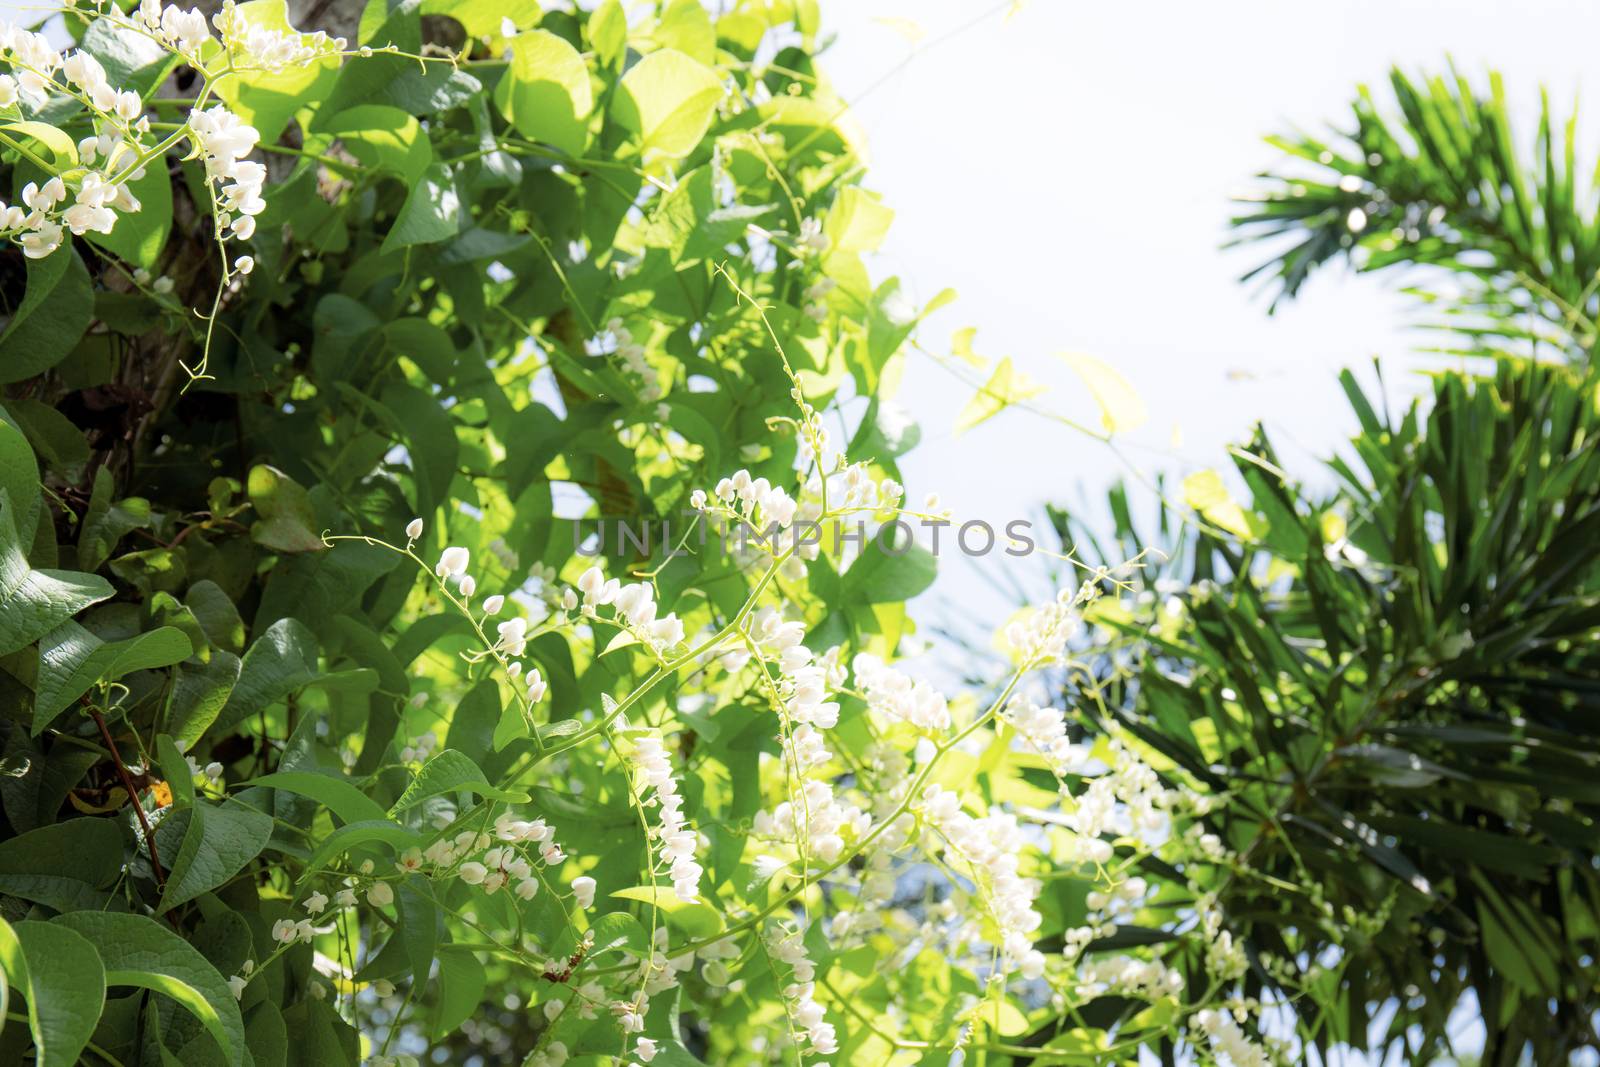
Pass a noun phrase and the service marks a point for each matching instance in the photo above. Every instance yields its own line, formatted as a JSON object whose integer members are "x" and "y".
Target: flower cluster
{"x": 633, "y": 605}
{"x": 989, "y": 847}
{"x": 896, "y": 697}
{"x": 618, "y": 340}
{"x": 675, "y": 841}
{"x": 1042, "y": 634}
{"x": 786, "y": 946}
{"x": 512, "y": 635}
{"x": 88, "y": 194}
{"x": 1044, "y": 730}
{"x": 476, "y": 858}
{"x": 252, "y": 45}
{"x": 1127, "y": 976}
{"x": 1228, "y": 1038}
{"x": 223, "y": 142}
{"x": 765, "y": 515}
{"x": 84, "y": 198}
{"x": 811, "y": 238}
{"x": 816, "y": 297}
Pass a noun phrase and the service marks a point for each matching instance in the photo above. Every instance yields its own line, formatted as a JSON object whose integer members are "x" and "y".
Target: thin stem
{"x": 133, "y": 795}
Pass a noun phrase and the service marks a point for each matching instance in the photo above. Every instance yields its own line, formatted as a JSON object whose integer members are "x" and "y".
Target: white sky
{"x": 1068, "y": 171}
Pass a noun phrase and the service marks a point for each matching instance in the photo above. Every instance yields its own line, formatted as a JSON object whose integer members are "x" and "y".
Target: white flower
{"x": 244, "y": 264}
{"x": 413, "y": 529}
{"x": 527, "y": 888}
{"x": 644, "y": 1050}
{"x": 380, "y": 895}
{"x": 315, "y": 903}
{"x": 284, "y": 930}
{"x": 473, "y": 873}
{"x": 583, "y": 891}
{"x": 41, "y": 241}
{"x": 236, "y": 986}
{"x": 493, "y": 605}
{"x": 536, "y": 686}
{"x": 811, "y": 237}
{"x": 452, "y": 561}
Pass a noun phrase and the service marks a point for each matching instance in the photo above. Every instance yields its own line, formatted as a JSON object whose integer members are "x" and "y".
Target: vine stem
{"x": 133, "y": 795}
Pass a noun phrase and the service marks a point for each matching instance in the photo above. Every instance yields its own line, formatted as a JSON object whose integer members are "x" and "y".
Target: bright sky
{"x": 1068, "y": 171}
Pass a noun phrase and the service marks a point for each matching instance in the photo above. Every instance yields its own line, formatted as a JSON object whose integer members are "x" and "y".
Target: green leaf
{"x": 36, "y": 602}
{"x": 686, "y": 26}
{"x": 63, "y": 865}
{"x": 697, "y": 918}
{"x": 461, "y": 986}
{"x": 336, "y": 794}
{"x": 288, "y": 522}
{"x": 433, "y": 445}
{"x": 450, "y": 772}
{"x": 279, "y": 662}
{"x": 217, "y": 615}
{"x": 419, "y": 927}
{"x": 105, "y": 523}
{"x": 608, "y": 32}
{"x": 133, "y": 60}
{"x": 1121, "y": 409}
{"x": 424, "y": 344}
{"x": 139, "y": 951}
{"x": 267, "y": 1036}
{"x": 618, "y": 930}
{"x": 545, "y": 93}
{"x": 55, "y": 310}
{"x": 63, "y": 149}
{"x": 66, "y": 990}
{"x": 481, "y": 18}
{"x": 180, "y": 778}
{"x": 432, "y": 211}
{"x": 880, "y": 576}
{"x": 73, "y": 661}
{"x": 53, "y": 436}
{"x": 668, "y": 99}
{"x": 357, "y": 834}
{"x": 218, "y": 840}
{"x": 19, "y": 478}
{"x": 383, "y": 137}
{"x": 199, "y": 693}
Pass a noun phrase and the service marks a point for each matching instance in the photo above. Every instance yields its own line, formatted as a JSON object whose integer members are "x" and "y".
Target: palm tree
{"x": 1437, "y": 181}
{"x": 1396, "y": 682}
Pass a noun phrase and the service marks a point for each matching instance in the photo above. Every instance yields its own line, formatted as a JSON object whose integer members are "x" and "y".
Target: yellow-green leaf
{"x": 696, "y": 918}
{"x": 858, "y": 221}
{"x": 546, "y": 93}
{"x": 1121, "y": 408}
{"x": 668, "y": 99}
{"x": 1205, "y": 492}
{"x": 1006, "y": 386}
